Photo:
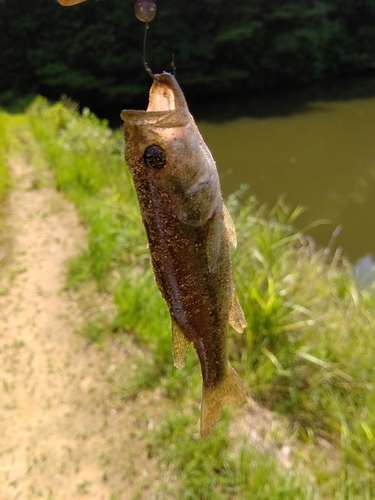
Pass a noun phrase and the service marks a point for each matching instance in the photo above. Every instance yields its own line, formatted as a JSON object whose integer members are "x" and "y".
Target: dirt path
{"x": 61, "y": 437}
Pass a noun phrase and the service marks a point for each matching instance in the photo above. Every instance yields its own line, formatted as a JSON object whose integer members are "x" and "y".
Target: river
{"x": 316, "y": 152}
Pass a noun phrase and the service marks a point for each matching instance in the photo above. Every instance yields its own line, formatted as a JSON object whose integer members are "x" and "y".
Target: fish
{"x": 189, "y": 232}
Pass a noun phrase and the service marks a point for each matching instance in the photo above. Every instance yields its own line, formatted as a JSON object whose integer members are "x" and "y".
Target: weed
{"x": 206, "y": 470}
{"x": 4, "y": 144}
{"x": 84, "y": 487}
{"x": 105, "y": 459}
{"x": 78, "y": 270}
{"x": 87, "y": 161}
{"x": 5, "y": 181}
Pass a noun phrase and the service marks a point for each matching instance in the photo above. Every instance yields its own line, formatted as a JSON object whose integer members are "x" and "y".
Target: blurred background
{"x": 284, "y": 91}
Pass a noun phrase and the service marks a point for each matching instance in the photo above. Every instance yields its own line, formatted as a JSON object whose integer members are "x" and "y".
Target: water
{"x": 319, "y": 154}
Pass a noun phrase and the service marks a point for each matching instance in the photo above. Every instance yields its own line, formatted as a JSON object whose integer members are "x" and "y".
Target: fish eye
{"x": 154, "y": 157}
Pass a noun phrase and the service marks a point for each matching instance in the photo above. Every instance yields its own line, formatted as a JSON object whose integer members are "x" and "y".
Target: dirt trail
{"x": 60, "y": 435}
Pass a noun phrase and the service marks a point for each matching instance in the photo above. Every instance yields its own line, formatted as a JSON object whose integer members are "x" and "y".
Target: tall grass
{"x": 309, "y": 349}
{"x": 4, "y": 172}
{"x": 308, "y": 353}
{"x": 87, "y": 161}
{"x": 208, "y": 469}
{"x": 4, "y": 181}
{"x": 310, "y": 339}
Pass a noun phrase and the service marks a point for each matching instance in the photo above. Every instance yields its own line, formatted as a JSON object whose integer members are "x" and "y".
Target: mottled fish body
{"x": 189, "y": 231}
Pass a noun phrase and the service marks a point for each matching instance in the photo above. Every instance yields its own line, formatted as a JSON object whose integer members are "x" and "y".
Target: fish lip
{"x": 166, "y": 98}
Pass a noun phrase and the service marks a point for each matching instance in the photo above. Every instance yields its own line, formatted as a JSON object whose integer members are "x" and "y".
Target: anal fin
{"x": 180, "y": 345}
{"x": 229, "y": 391}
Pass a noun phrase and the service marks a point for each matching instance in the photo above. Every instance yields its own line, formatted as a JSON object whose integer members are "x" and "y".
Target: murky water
{"x": 322, "y": 156}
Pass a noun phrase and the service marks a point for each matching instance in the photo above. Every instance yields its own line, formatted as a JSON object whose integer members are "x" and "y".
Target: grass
{"x": 5, "y": 180}
{"x": 309, "y": 322}
{"x": 86, "y": 159}
{"x": 4, "y": 172}
{"x": 307, "y": 354}
{"x": 209, "y": 469}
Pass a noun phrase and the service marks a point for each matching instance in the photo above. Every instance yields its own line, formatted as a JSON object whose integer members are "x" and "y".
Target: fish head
{"x": 167, "y": 156}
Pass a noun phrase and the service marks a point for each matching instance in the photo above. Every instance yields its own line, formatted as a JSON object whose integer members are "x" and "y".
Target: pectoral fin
{"x": 215, "y": 228}
{"x": 229, "y": 226}
{"x": 236, "y": 316}
{"x": 180, "y": 345}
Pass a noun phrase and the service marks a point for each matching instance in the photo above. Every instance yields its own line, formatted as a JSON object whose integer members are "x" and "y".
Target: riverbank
{"x": 63, "y": 434}
{"x": 307, "y": 356}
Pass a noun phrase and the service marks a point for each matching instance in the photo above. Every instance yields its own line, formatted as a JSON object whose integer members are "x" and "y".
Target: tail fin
{"x": 228, "y": 392}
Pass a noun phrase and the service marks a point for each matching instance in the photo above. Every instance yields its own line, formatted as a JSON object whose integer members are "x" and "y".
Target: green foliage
{"x": 4, "y": 172}
{"x": 206, "y": 470}
{"x": 142, "y": 309}
{"x": 87, "y": 161}
{"x": 93, "y": 52}
{"x": 307, "y": 353}
{"x": 4, "y": 177}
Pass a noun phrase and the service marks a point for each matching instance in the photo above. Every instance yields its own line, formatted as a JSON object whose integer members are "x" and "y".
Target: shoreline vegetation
{"x": 307, "y": 356}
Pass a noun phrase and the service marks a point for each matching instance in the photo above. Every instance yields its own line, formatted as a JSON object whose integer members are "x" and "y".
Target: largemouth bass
{"x": 189, "y": 231}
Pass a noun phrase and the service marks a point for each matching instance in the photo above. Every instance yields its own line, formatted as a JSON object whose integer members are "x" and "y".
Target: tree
{"x": 93, "y": 51}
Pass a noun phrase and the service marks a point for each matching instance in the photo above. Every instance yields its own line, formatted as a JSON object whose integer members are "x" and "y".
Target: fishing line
{"x": 147, "y": 68}
{"x": 173, "y": 64}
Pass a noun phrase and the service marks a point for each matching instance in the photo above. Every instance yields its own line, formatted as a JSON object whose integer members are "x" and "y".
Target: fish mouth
{"x": 165, "y": 94}
{"x": 166, "y": 102}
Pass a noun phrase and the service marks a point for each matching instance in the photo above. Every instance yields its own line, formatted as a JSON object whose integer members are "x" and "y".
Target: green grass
{"x": 4, "y": 172}
{"x": 87, "y": 161}
{"x": 308, "y": 352}
{"x": 5, "y": 181}
{"x": 307, "y": 355}
{"x": 310, "y": 336}
{"x": 209, "y": 469}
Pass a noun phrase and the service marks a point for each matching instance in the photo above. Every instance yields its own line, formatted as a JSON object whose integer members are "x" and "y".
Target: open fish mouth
{"x": 167, "y": 108}
{"x": 163, "y": 94}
